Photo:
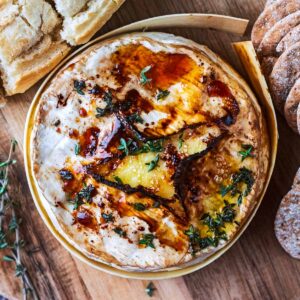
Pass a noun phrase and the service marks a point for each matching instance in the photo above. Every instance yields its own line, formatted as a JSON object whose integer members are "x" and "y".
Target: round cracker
{"x": 289, "y": 40}
{"x": 276, "y": 34}
{"x": 287, "y": 223}
{"x": 284, "y": 75}
{"x": 270, "y": 16}
{"x": 291, "y": 106}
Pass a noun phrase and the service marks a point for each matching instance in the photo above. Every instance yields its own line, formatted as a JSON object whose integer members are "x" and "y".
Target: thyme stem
{"x": 5, "y": 204}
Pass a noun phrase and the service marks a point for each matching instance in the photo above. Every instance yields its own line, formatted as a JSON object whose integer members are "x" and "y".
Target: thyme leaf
{"x": 153, "y": 163}
{"x": 246, "y": 152}
{"x": 77, "y": 149}
{"x": 139, "y": 206}
{"x": 243, "y": 176}
{"x": 151, "y": 146}
{"x": 10, "y": 239}
{"x": 79, "y": 85}
{"x": 143, "y": 78}
{"x": 180, "y": 141}
{"x": 147, "y": 239}
{"x": 109, "y": 108}
{"x": 124, "y": 145}
{"x": 107, "y": 217}
{"x": 135, "y": 118}
{"x": 162, "y": 94}
{"x": 118, "y": 179}
{"x": 120, "y": 231}
{"x": 150, "y": 288}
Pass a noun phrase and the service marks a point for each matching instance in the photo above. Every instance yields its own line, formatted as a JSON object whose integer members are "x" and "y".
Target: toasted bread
{"x": 84, "y": 18}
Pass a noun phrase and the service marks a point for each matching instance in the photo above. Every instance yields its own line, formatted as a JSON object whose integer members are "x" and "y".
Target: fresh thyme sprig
{"x": 8, "y": 205}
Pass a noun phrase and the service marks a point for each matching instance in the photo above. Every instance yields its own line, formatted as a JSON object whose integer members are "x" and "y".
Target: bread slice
{"x": 277, "y": 33}
{"x": 287, "y": 223}
{"x": 30, "y": 45}
{"x": 284, "y": 75}
{"x": 83, "y": 18}
{"x": 291, "y": 106}
{"x": 27, "y": 69}
{"x": 272, "y": 14}
{"x": 289, "y": 40}
{"x": 34, "y": 38}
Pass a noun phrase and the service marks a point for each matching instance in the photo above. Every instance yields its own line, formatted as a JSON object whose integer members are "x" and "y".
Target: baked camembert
{"x": 150, "y": 150}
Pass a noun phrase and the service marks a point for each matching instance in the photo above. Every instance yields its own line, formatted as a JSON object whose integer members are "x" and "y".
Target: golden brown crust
{"x": 277, "y": 33}
{"x": 80, "y": 28}
{"x": 291, "y": 106}
{"x": 284, "y": 75}
{"x": 271, "y": 15}
{"x": 30, "y": 45}
{"x": 28, "y": 71}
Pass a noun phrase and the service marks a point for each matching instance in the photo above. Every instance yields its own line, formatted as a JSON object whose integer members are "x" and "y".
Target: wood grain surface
{"x": 256, "y": 267}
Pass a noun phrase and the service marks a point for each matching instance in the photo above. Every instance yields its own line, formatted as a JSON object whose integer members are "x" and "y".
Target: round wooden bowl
{"x": 247, "y": 55}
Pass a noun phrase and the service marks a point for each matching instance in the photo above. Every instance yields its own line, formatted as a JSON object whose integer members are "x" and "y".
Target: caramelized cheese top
{"x": 148, "y": 147}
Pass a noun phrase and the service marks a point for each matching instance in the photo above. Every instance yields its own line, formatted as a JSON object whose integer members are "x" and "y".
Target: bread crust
{"x": 271, "y": 15}
{"x": 81, "y": 27}
{"x": 272, "y": 38}
{"x": 289, "y": 40}
{"x": 30, "y": 45}
{"x": 291, "y": 106}
{"x": 287, "y": 223}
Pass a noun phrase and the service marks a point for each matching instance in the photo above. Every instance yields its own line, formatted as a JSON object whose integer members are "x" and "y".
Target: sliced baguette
{"x": 30, "y": 45}
{"x": 26, "y": 70}
{"x": 84, "y": 18}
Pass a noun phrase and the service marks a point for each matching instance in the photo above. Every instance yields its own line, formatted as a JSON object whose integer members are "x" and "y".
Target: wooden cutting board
{"x": 256, "y": 267}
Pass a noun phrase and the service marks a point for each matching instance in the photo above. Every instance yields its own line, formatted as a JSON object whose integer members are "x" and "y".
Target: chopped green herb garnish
{"x": 87, "y": 193}
{"x": 228, "y": 213}
{"x": 14, "y": 224}
{"x": 240, "y": 199}
{"x": 77, "y": 149}
{"x": 147, "y": 239}
{"x": 124, "y": 145}
{"x": 247, "y": 152}
{"x": 245, "y": 176}
{"x": 77, "y": 202}
{"x": 65, "y": 174}
{"x": 107, "y": 217}
{"x": 180, "y": 141}
{"x": 153, "y": 163}
{"x": 215, "y": 225}
{"x": 162, "y": 94}
{"x": 79, "y": 85}
{"x": 139, "y": 206}
{"x": 143, "y": 78}
{"x": 193, "y": 234}
{"x": 151, "y": 146}
{"x": 107, "y": 98}
{"x": 150, "y": 289}
{"x": 118, "y": 179}
{"x": 7, "y": 163}
{"x": 120, "y": 231}
{"x": 135, "y": 118}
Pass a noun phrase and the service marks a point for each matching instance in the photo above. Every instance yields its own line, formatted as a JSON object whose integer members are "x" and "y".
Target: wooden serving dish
{"x": 247, "y": 55}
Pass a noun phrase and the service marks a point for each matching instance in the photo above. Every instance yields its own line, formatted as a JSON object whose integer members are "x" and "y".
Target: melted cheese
{"x": 204, "y": 103}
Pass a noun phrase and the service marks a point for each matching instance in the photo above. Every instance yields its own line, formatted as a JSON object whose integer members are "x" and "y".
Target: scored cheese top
{"x": 150, "y": 150}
